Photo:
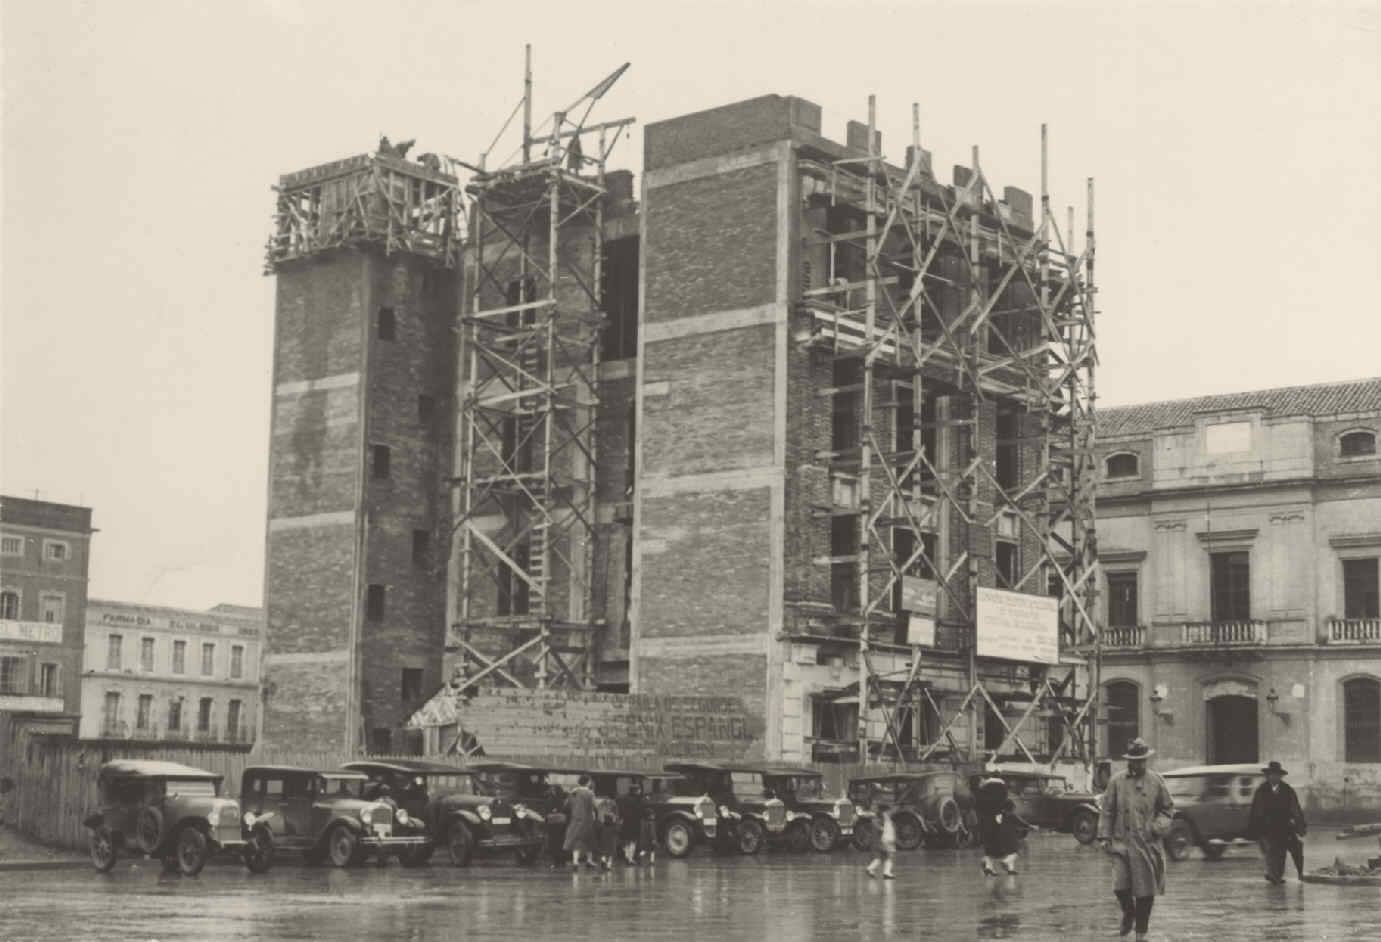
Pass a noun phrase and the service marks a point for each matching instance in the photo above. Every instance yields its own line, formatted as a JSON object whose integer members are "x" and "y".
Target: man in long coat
{"x": 1136, "y": 816}
{"x": 581, "y": 826}
{"x": 1278, "y": 822}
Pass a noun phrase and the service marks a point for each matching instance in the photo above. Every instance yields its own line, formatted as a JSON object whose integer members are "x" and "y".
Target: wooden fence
{"x": 55, "y": 778}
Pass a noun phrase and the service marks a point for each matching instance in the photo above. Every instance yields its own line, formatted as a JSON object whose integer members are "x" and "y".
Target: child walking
{"x": 887, "y": 845}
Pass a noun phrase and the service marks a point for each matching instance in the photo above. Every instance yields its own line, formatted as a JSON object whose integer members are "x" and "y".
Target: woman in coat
{"x": 582, "y": 828}
{"x": 1137, "y": 814}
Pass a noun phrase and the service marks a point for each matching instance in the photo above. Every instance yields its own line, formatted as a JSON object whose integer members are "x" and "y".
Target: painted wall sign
{"x": 919, "y": 596}
{"x": 40, "y": 632}
{"x": 1018, "y": 627}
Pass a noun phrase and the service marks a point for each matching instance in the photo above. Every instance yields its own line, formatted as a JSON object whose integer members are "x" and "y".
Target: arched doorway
{"x": 1232, "y": 729}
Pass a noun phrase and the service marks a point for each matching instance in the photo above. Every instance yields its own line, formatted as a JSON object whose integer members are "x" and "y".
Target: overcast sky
{"x": 1235, "y": 149}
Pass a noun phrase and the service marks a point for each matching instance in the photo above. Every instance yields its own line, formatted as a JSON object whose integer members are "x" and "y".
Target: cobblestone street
{"x": 1061, "y": 893}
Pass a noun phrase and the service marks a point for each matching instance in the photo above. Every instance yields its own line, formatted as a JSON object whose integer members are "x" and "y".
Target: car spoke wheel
{"x": 865, "y": 833}
{"x": 192, "y": 851}
{"x": 103, "y": 853}
{"x": 751, "y": 836}
{"x": 824, "y": 834}
{"x": 909, "y": 832}
{"x": 1084, "y": 828}
{"x": 149, "y": 829}
{"x": 678, "y": 839}
{"x": 343, "y": 846}
{"x": 1179, "y": 841}
{"x": 460, "y": 844}
{"x": 798, "y": 837}
{"x": 258, "y": 854}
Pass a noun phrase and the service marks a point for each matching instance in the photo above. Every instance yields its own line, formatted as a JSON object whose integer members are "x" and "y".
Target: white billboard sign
{"x": 1018, "y": 627}
{"x": 920, "y": 630}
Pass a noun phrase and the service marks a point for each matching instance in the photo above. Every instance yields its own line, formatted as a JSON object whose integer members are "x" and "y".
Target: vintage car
{"x": 686, "y": 816}
{"x": 324, "y": 815}
{"x": 813, "y": 819}
{"x": 935, "y": 807}
{"x": 1048, "y": 801}
{"x": 1212, "y": 807}
{"x": 458, "y": 808}
{"x": 173, "y": 812}
{"x": 748, "y": 814}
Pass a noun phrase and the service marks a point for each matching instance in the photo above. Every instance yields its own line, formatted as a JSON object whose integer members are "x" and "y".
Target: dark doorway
{"x": 1232, "y": 730}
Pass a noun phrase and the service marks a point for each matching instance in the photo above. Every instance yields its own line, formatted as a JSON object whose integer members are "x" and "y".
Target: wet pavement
{"x": 1062, "y": 892}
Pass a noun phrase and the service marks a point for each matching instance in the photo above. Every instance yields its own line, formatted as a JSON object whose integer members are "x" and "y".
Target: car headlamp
{"x": 366, "y": 814}
{"x": 213, "y": 817}
{"x": 402, "y": 816}
{"x": 484, "y": 812}
{"x": 248, "y": 819}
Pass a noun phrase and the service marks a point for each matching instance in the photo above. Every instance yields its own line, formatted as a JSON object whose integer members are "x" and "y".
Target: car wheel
{"x": 824, "y": 834}
{"x": 342, "y": 846}
{"x": 798, "y": 837}
{"x": 1084, "y": 827}
{"x": 148, "y": 830}
{"x": 460, "y": 844}
{"x": 1179, "y": 841}
{"x": 751, "y": 836}
{"x": 103, "y": 852}
{"x": 865, "y": 834}
{"x": 258, "y": 853}
{"x": 678, "y": 839}
{"x": 909, "y": 832}
{"x": 192, "y": 851}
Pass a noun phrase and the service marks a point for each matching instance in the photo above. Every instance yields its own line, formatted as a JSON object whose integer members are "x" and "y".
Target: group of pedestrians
{"x": 1138, "y": 813}
{"x": 595, "y": 831}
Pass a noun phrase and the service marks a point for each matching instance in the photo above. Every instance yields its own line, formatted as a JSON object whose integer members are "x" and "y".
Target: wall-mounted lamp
{"x": 1273, "y": 701}
{"x": 1158, "y": 694}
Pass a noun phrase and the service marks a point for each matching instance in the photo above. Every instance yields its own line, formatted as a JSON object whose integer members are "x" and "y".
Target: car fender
{"x": 677, "y": 814}
{"x": 354, "y": 824}
{"x": 919, "y": 819}
{"x": 466, "y": 815}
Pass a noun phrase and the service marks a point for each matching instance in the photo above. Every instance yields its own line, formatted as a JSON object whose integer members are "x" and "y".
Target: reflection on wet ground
{"x": 1062, "y": 892}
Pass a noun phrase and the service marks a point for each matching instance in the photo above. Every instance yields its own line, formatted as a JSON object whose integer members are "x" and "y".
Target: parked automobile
{"x": 686, "y": 816}
{"x": 173, "y": 812}
{"x": 324, "y": 815}
{"x": 935, "y": 807}
{"x": 1048, "y": 801}
{"x": 748, "y": 814}
{"x": 1212, "y": 806}
{"x": 814, "y": 820}
{"x": 457, "y": 809}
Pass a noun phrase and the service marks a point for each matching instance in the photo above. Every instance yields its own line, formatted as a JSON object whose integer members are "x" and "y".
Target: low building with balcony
{"x": 157, "y": 674}
{"x": 1239, "y": 544}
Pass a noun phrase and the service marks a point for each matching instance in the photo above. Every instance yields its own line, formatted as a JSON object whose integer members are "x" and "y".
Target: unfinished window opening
{"x": 1360, "y": 589}
{"x": 1122, "y": 601}
{"x": 411, "y": 684}
{"x": 1124, "y": 465}
{"x": 421, "y": 547}
{"x": 1007, "y": 450}
{"x": 844, "y": 413}
{"x": 374, "y": 602}
{"x": 1230, "y": 591}
{"x": 834, "y": 720}
{"x": 620, "y": 300}
{"x": 1357, "y": 444}
{"x": 903, "y": 546}
{"x": 521, "y": 291}
{"x": 1005, "y": 564}
{"x": 843, "y": 567}
{"x": 993, "y": 732}
{"x": 380, "y": 459}
{"x": 514, "y": 591}
{"x": 387, "y": 324}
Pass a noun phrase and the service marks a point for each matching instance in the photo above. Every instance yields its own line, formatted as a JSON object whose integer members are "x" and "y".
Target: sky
{"x": 1235, "y": 147}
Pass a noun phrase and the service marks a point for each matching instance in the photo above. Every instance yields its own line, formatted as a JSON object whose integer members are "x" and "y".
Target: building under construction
{"x": 798, "y": 425}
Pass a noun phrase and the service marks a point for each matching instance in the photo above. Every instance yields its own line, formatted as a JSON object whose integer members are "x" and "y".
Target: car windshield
{"x": 1185, "y": 786}
{"x": 748, "y": 783}
{"x": 330, "y": 785}
{"x": 193, "y": 788}
{"x": 806, "y": 786}
{"x": 454, "y": 784}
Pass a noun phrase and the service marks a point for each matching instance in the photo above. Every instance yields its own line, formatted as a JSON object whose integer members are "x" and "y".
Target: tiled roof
{"x": 1361, "y": 395}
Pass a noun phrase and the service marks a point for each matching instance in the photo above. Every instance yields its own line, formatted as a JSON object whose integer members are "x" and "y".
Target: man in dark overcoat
{"x": 1277, "y": 821}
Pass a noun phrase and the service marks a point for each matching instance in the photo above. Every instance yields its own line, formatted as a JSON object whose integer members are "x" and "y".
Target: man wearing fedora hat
{"x": 1136, "y": 815}
{"x": 1278, "y": 822}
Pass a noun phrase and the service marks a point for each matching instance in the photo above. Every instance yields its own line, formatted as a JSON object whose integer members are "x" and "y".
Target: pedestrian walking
{"x": 647, "y": 836}
{"x": 1277, "y": 821}
{"x": 887, "y": 845}
{"x": 1137, "y": 814}
{"x": 609, "y": 829}
{"x": 581, "y": 824}
{"x": 556, "y": 828}
{"x": 999, "y": 826}
{"x": 631, "y": 807}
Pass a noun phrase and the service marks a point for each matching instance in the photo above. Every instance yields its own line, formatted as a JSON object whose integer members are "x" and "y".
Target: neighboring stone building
{"x": 44, "y": 560}
{"x": 170, "y": 674}
{"x": 1239, "y": 537}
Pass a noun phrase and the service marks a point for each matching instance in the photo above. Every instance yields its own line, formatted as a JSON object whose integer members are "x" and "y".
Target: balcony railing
{"x": 1230, "y": 634}
{"x": 1124, "y": 636}
{"x": 1354, "y": 630}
